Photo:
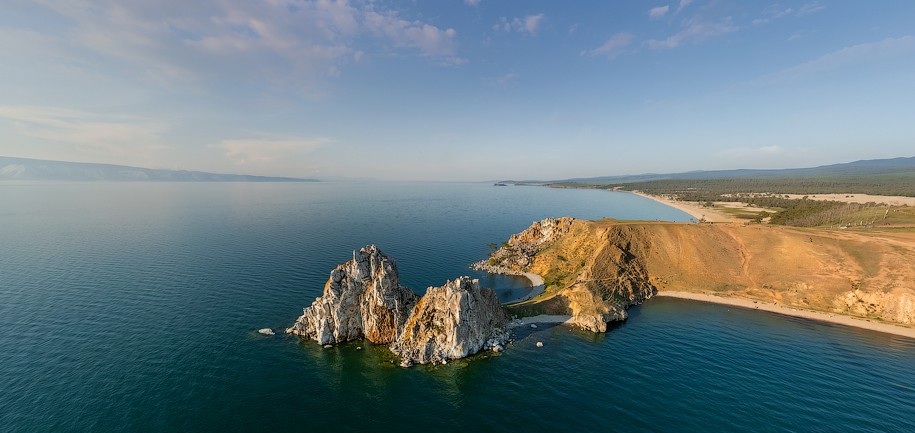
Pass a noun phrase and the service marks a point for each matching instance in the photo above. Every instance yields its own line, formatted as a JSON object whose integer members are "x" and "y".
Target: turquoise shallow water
{"x": 132, "y": 307}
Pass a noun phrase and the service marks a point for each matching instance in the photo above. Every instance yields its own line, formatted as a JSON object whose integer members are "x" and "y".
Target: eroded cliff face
{"x": 452, "y": 321}
{"x": 363, "y": 299}
{"x": 600, "y": 268}
{"x": 614, "y": 279}
{"x": 565, "y": 252}
{"x": 897, "y": 305}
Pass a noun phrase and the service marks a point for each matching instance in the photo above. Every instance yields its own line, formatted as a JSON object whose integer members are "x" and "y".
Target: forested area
{"x": 710, "y": 189}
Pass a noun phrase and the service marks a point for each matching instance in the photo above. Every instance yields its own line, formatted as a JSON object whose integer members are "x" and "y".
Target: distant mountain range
{"x": 37, "y": 169}
{"x": 872, "y": 167}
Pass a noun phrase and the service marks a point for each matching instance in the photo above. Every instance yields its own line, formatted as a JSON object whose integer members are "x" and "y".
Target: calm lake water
{"x": 133, "y": 307}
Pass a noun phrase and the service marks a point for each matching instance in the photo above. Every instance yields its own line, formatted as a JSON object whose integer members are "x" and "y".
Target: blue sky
{"x": 459, "y": 89}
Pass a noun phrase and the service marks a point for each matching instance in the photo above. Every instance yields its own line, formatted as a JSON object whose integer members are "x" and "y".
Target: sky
{"x": 457, "y": 89}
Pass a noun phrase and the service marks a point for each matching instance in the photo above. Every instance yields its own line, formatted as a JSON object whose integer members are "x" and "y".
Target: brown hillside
{"x": 598, "y": 268}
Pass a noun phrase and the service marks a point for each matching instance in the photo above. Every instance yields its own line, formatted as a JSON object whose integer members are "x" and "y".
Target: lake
{"x": 134, "y": 306}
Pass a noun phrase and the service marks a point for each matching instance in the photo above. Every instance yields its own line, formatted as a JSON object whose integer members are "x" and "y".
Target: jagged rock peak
{"x": 453, "y": 321}
{"x": 542, "y": 231}
{"x": 362, "y": 298}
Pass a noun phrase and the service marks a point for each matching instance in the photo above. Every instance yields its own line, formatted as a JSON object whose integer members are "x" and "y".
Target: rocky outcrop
{"x": 451, "y": 322}
{"x": 363, "y": 298}
{"x": 516, "y": 255}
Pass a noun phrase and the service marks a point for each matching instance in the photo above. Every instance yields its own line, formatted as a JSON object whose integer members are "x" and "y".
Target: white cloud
{"x": 256, "y": 153}
{"x": 776, "y": 11}
{"x": 614, "y": 46}
{"x": 88, "y": 134}
{"x": 276, "y": 43}
{"x": 810, "y": 8}
{"x": 694, "y": 31}
{"x": 867, "y": 53}
{"x": 658, "y": 12}
{"x": 429, "y": 39}
{"x": 532, "y": 23}
{"x": 472, "y": 2}
{"x": 683, "y": 4}
{"x": 503, "y": 80}
{"x": 529, "y": 24}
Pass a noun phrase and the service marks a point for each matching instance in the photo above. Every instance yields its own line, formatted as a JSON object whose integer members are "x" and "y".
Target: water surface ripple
{"x": 132, "y": 307}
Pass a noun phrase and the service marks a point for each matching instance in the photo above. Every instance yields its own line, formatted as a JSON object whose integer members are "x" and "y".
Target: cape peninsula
{"x": 595, "y": 270}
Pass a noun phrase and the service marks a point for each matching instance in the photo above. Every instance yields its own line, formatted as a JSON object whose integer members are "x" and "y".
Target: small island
{"x": 363, "y": 299}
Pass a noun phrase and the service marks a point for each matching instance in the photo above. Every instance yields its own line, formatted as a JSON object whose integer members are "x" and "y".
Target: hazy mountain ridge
{"x": 37, "y": 169}
{"x": 872, "y": 167}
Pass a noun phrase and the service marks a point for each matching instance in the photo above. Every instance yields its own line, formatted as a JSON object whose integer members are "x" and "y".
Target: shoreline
{"x": 693, "y": 209}
{"x": 537, "y": 288}
{"x": 540, "y": 318}
{"x": 793, "y": 312}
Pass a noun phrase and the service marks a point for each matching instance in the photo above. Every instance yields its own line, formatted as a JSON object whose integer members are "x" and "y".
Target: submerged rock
{"x": 452, "y": 321}
{"x": 363, "y": 298}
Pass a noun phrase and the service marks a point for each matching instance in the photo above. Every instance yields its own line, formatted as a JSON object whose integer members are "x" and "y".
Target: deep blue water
{"x": 132, "y": 307}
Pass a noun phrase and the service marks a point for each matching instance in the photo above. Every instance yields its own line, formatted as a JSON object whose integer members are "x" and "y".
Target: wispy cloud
{"x": 683, "y": 4}
{"x": 502, "y": 80}
{"x": 776, "y": 11}
{"x": 614, "y": 46}
{"x": 90, "y": 134}
{"x": 529, "y": 24}
{"x": 810, "y": 8}
{"x": 693, "y": 31}
{"x": 658, "y": 12}
{"x": 261, "y": 152}
{"x": 429, "y": 39}
{"x": 869, "y": 53}
{"x": 472, "y": 2}
{"x": 289, "y": 44}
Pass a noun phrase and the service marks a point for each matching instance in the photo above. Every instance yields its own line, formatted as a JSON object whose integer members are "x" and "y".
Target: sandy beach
{"x": 788, "y": 311}
{"x": 692, "y": 208}
{"x": 536, "y": 283}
